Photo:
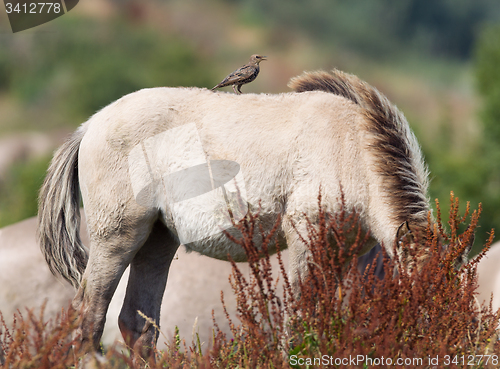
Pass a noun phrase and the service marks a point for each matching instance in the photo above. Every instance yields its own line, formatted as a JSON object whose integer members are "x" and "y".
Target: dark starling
{"x": 243, "y": 75}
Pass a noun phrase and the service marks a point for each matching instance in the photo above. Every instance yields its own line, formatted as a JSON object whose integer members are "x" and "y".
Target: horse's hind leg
{"x": 110, "y": 254}
{"x": 146, "y": 285}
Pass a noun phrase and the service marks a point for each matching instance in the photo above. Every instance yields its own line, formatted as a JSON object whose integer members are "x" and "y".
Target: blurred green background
{"x": 438, "y": 60}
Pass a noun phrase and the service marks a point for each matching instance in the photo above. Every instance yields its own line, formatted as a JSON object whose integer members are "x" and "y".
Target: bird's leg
{"x": 239, "y": 89}
{"x": 234, "y": 89}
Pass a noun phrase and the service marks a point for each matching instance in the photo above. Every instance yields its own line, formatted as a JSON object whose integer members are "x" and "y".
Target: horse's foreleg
{"x": 298, "y": 251}
{"x": 140, "y": 315}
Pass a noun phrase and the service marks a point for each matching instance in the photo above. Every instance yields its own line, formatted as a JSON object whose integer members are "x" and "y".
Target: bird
{"x": 243, "y": 75}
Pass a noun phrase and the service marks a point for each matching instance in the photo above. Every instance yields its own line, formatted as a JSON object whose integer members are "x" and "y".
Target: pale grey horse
{"x": 166, "y": 166}
{"x": 488, "y": 277}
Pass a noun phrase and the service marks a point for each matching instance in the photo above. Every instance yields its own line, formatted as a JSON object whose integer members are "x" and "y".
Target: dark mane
{"x": 396, "y": 151}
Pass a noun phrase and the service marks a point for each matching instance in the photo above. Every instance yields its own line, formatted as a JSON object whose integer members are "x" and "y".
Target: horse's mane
{"x": 397, "y": 154}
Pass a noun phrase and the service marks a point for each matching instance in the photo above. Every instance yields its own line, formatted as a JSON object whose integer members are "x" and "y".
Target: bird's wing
{"x": 239, "y": 75}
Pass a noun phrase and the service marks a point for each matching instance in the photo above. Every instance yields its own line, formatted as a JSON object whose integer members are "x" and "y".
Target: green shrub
{"x": 382, "y": 29}
{"x": 19, "y": 190}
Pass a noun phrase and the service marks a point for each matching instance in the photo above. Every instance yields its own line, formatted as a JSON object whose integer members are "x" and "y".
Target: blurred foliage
{"x": 465, "y": 175}
{"x": 488, "y": 82}
{"x": 77, "y": 68}
{"x": 486, "y": 163}
{"x": 382, "y": 28}
{"x": 475, "y": 173}
{"x": 86, "y": 64}
{"x": 19, "y": 190}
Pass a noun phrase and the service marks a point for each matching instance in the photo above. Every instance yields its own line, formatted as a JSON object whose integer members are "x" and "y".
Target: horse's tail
{"x": 396, "y": 152}
{"x": 59, "y": 213}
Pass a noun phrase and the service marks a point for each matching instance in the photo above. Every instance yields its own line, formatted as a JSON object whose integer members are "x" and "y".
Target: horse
{"x": 167, "y": 166}
{"x": 488, "y": 277}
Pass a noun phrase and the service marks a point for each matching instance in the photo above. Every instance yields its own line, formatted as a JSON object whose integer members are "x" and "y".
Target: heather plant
{"x": 417, "y": 314}
{"x": 418, "y": 317}
{"x": 259, "y": 338}
{"x": 32, "y": 342}
{"x": 340, "y": 317}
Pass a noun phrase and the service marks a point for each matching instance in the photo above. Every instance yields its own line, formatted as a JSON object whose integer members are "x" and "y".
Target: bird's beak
{"x": 263, "y": 57}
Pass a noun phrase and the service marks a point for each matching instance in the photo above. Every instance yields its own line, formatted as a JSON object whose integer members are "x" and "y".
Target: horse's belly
{"x": 219, "y": 245}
